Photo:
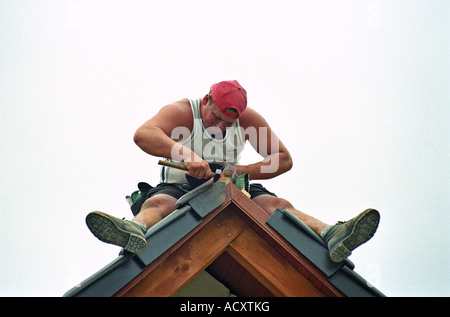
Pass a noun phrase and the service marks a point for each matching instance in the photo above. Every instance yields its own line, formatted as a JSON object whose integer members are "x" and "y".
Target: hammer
{"x": 227, "y": 173}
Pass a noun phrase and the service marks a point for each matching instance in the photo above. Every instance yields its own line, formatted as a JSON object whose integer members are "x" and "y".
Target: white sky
{"x": 357, "y": 90}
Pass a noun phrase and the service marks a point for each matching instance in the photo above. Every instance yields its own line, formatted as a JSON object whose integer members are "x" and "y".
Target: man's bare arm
{"x": 277, "y": 159}
{"x": 155, "y": 138}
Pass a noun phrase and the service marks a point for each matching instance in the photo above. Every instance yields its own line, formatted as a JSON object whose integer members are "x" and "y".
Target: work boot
{"x": 344, "y": 237}
{"x": 123, "y": 233}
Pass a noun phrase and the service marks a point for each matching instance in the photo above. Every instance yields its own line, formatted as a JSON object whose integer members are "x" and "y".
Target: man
{"x": 216, "y": 128}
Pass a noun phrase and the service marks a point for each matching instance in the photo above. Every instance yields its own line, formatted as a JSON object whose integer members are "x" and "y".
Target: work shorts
{"x": 178, "y": 190}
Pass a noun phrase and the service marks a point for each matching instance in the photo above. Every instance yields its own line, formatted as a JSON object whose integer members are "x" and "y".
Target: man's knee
{"x": 160, "y": 203}
{"x": 270, "y": 203}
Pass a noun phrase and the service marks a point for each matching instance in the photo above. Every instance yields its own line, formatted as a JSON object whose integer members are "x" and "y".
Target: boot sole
{"x": 363, "y": 230}
{"x": 107, "y": 231}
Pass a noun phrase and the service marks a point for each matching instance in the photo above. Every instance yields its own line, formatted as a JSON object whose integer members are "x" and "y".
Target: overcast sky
{"x": 357, "y": 90}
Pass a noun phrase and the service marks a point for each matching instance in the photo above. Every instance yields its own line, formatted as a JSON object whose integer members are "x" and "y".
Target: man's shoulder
{"x": 182, "y": 105}
{"x": 251, "y": 118}
{"x": 177, "y": 113}
{"x": 180, "y": 109}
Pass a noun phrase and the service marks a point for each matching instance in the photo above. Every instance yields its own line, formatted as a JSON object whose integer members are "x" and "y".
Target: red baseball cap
{"x": 229, "y": 95}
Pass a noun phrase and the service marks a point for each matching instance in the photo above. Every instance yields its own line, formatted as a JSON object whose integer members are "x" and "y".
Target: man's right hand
{"x": 197, "y": 167}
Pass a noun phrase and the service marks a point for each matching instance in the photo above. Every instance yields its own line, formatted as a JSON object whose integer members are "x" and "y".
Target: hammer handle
{"x": 176, "y": 165}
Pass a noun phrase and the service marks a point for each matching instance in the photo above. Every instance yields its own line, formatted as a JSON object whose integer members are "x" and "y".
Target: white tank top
{"x": 204, "y": 145}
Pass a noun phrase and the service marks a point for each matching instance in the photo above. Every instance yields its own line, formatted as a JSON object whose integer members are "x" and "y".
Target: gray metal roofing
{"x": 190, "y": 212}
{"x": 127, "y": 266}
{"x": 307, "y": 242}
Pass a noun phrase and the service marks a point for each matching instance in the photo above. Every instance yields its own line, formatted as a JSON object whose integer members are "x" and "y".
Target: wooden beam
{"x": 269, "y": 267}
{"x": 236, "y": 278}
{"x": 256, "y": 218}
{"x": 193, "y": 256}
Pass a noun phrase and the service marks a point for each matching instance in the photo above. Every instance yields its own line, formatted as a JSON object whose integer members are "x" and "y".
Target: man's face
{"x": 213, "y": 117}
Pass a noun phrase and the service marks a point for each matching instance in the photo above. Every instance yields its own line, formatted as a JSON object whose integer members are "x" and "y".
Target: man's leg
{"x": 341, "y": 238}
{"x": 155, "y": 209}
{"x": 269, "y": 203}
{"x": 131, "y": 234}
